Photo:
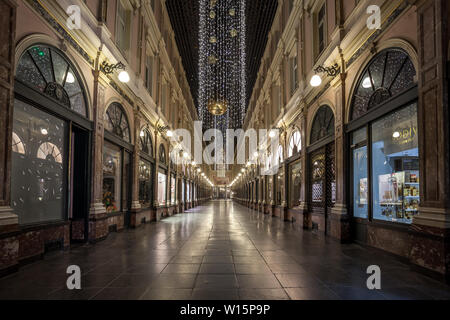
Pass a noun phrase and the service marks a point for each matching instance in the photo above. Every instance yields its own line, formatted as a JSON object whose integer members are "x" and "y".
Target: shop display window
{"x": 172, "y": 190}
{"x": 38, "y": 166}
{"x": 395, "y": 166}
{"x": 145, "y": 190}
{"x": 280, "y": 186}
{"x": 360, "y": 174}
{"x": 162, "y": 184}
{"x": 112, "y": 182}
{"x": 295, "y": 178}
{"x": 270, "y": 188}
{"x": 182, "y": 192}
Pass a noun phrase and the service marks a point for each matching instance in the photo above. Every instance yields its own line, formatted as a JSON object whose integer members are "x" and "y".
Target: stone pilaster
{"x": 98, "y": 224}
{"x": 430, "y": 248}
{"x": 303, "y": 207}
{"x": 9, "y": 223}
{"x": 339, "y": 219}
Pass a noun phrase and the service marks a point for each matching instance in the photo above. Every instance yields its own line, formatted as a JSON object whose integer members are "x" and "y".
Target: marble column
{"x": 9, "y": 222}
{"x": 430, "y": 248}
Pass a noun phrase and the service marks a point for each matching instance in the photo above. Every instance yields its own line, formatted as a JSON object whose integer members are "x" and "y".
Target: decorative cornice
{"x": 369, "y": 43}
{"x": 37, "y": 5}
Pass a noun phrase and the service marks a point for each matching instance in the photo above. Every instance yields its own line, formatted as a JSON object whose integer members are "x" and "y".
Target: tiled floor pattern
{"x": 219, "y": 251}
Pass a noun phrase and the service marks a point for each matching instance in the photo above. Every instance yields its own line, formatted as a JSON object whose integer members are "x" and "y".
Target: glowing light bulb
{"x": 142, "y": 134}
{"x": 316, "y": 81}
{"x": 396, "y": 134}
{"x": 124, "y": 77}
{"x": 169, "y": 133}
{"x": 44, "y": 131}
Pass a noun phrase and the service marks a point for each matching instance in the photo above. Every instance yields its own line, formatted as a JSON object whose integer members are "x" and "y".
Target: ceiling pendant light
{"x": 217, "y": 108}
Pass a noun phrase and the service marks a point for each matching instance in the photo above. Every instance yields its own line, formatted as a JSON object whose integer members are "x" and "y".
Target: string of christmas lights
{"x": 222, "y": 64}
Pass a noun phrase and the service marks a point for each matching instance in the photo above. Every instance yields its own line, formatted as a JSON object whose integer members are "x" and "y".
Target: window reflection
{"x": 395, "y": 166}
{"x": 162, "y": 183}
{"x": 145, "y": 175}
{"x": 38, "y": 173}
{"x": 112, "y": 164}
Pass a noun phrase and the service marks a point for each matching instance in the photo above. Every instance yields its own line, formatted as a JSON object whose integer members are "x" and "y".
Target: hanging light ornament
{"x": 212, "y": 14}
{"x": 233, "y": 33}
{"x": 212, "y": 59}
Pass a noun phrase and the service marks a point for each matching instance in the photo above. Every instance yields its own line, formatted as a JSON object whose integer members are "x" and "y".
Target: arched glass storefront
{"x": 384, "y": 141}
{"x": 117, "y": 150}
{"x": 50, "y": 141}
{"x": 295, "y": 169}
{"x": 145, "y": 169}
{"x": 322, "y": 177}
{"x": 162, "y": 176}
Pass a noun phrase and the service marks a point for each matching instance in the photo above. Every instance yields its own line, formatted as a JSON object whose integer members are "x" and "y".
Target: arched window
{"x": 17, "y": 144}
{"x": 388, "y": 74}
{"x": 162, "y": 154}
{"x": 280, "y": 156}
{"x": 116, "y": 121}
{"x": 323, "y": 124}
{"x": 295, "y": 143}
{"x": 47, "y": 70}
{"x": 145, "y": 141}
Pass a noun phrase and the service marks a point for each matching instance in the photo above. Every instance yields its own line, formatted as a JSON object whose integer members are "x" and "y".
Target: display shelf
{"x": 391, "y": 203}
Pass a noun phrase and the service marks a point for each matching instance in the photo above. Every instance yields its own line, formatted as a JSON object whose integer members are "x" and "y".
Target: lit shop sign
{"x": 405, "y": 135}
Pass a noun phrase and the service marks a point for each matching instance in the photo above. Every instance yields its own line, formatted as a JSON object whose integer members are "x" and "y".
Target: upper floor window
{"x": 294, "y": 74}
{"x": 321, "y": 29}
{"x": 149, "y": 74}
{"x": 295, "y": 143}
{"x": 163, "y": 98}
{"x": 123, "y": 27}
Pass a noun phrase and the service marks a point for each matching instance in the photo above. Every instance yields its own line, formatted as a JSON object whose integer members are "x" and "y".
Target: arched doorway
{"x": 51, "y": 142}
{"x": 322, "y": 177}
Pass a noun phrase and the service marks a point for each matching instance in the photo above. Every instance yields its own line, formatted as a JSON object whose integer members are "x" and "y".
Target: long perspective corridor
{"x": 221, "y": 250}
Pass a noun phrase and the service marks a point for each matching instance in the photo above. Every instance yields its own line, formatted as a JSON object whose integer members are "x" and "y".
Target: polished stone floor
{"x": 219, "y": 251}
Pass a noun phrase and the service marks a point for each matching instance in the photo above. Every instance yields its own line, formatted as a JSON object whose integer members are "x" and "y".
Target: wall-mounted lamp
{"x": 332, "y": 71}
{"x": 108, "y": 68}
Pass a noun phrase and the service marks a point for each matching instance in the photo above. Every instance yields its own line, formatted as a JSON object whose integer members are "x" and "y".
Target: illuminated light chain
{"x": 222, "y": 62}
